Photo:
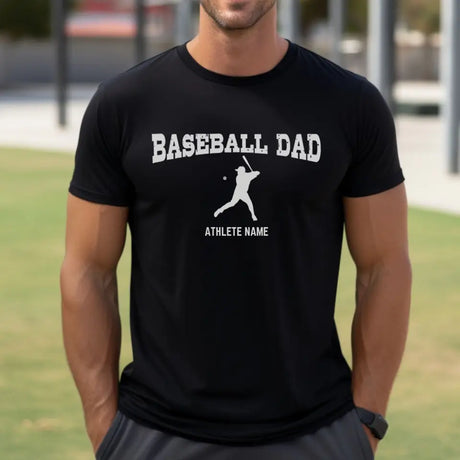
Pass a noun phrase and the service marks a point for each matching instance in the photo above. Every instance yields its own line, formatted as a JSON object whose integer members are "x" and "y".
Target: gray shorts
{"x": 343, "y": 439}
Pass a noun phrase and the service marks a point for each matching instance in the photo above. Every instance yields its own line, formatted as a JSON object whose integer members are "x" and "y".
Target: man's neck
{"x": 241, "y": 52}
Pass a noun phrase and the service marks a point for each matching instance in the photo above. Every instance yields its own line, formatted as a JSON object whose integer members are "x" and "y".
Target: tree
{"x": 30, "y": 18}
{"x": 312, "y": 11}
{"x": 422, "y": 15}
{"x": 357, "y": 16}
{"x": 317, "y": 10}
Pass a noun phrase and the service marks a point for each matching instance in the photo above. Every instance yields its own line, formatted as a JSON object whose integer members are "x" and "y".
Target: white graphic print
{"x": 243, "y": 180}
{"x": 304, "y": 147}
{"x": 298, "y": 146}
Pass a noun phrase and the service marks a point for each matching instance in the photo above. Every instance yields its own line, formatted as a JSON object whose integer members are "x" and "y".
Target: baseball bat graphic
{"x": 247, "y": 162}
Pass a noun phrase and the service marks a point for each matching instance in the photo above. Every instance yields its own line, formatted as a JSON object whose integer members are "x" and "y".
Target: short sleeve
{"x": 375, "y": 165}
{"x": 98, "y": 173}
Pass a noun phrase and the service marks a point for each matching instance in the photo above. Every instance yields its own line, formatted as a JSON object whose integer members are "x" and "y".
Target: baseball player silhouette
{"x": 243, "y": 179}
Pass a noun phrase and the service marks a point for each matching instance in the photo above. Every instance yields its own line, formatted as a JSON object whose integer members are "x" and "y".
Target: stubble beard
{"x": 240, "y": 16}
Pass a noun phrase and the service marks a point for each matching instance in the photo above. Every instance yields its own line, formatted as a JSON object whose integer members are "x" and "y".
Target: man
{"x": 235, "y": 348}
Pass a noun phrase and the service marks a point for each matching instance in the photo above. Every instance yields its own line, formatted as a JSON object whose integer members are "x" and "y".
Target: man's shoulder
{"x": 329, "y": 74}
{"x": 139, "y": 75}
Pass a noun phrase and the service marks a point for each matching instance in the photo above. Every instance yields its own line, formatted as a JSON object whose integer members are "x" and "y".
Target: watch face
{"x": 379, "y": 426}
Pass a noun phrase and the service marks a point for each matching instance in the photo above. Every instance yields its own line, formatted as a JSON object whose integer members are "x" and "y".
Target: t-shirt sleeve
{"x": 98, "y": 173}
{"x": 375, "y": 165}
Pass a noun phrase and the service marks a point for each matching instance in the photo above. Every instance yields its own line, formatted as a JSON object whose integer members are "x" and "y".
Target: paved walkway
{"x": 28, "y": 119}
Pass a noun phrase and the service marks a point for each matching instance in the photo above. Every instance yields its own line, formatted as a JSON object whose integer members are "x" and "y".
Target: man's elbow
{"x": 79, "y": 278}
{"x": 71, "y": 280}
{"x": 395, "y": 265}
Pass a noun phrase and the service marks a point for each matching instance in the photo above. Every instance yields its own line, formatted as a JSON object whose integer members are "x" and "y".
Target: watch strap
{"x": 374, "y": 421}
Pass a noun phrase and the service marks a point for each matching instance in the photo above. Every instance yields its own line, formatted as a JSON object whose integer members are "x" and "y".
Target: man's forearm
{"x": 92, "y": 338}
{"x": 379, "y": 330}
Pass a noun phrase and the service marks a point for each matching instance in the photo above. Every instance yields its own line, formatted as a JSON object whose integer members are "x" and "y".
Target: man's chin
{"x": 236, "y": 14}
{"x": 234, "y": 21}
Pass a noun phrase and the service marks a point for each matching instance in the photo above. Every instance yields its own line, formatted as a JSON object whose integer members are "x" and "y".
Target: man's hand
{"x": 372, "y": 439}
{"x": 97, "y": 428}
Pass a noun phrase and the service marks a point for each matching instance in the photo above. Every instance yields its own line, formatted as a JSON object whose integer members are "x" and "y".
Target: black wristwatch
{"x": 376, "y": 422}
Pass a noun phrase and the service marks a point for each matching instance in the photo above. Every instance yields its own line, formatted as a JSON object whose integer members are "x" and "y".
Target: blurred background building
{"x": 107, "y": 28}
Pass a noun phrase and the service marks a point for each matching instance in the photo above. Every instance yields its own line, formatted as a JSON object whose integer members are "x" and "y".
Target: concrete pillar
{"x": 183, "y": 21}
{"x": 450, "y": 75}
{"x": 4, "y": 42}
{"x": 140, "y": 30}
{"x": 337, "y": 14}
{"x": 289, "y": 16}
{"x": 380, "y": 47}
{"x": 61, "y": 58}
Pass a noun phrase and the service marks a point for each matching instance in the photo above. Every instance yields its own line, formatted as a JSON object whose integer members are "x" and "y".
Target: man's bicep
{"x": 376, "y": 226}
{"x": 95, "y": 233}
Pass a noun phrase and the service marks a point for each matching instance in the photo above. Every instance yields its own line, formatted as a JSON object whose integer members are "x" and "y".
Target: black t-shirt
{"x": 234, "y": 186}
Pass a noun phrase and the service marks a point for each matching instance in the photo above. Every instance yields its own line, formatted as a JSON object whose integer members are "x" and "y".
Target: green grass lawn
{"x": 40, "y": 414}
